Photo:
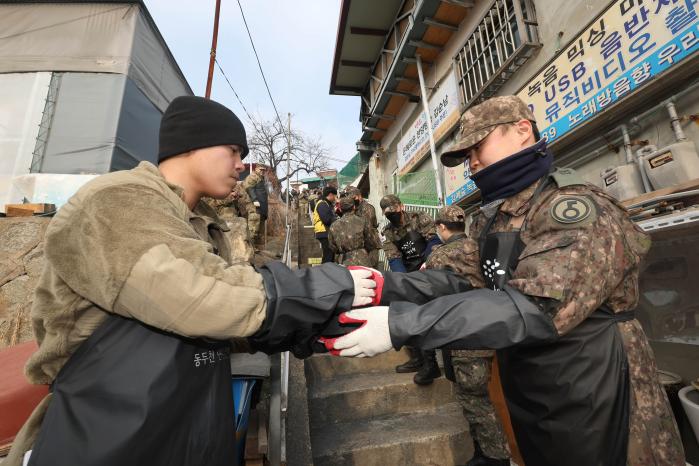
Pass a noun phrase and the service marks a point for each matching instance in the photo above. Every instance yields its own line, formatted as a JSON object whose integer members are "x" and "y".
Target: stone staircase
{"x": 363, "y": 413}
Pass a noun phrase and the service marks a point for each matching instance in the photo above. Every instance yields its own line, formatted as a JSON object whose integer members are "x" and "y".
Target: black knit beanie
{"x": 191, "y": 122}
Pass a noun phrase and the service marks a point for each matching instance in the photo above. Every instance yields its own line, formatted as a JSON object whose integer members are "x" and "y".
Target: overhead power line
{"x": 232, "y": 89}
{"x": 269, "y": 93}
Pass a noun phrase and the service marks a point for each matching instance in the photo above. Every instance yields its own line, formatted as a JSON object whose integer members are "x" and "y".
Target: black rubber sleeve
{"x": 422, "y": 286}
{"x": 300, "y": 303}
{"x": 477, "y": 319}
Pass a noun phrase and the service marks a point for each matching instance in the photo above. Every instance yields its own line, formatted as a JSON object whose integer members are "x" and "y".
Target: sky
{"x": 295, "y": 41}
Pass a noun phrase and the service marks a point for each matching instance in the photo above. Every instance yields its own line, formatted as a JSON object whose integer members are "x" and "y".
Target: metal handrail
{"x": 279, "y": 400}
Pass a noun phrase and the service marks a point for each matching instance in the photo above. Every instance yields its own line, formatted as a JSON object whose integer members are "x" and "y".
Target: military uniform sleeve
{"x": 128, "y": 250}
{"x": 389, "y": 248}
{"x": 371, "y": 238}
{"x": 576, "y": 254}
{"x": 331, "y": 238}
{"x": 373, "y": 222}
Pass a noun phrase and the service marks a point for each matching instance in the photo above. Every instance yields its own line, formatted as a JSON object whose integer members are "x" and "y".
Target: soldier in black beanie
{"x": 140, "y": 301}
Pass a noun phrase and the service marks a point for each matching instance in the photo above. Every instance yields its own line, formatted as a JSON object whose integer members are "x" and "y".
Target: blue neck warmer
{"x": 513, "y": 174}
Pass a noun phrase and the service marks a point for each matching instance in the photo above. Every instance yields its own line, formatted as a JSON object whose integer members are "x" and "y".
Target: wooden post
{"x": 212, "y": 58}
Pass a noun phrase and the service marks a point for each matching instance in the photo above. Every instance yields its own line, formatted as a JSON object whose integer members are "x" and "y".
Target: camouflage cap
{"x": 346, "y": 203}
{"x": 450, "y": 214}
{"x": 479, "y": 121}
{"x": 352, "y": 191}
{"x": 390, "y": 201}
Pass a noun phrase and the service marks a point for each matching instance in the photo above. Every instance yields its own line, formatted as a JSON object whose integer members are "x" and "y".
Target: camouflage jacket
{"x": 415, "y": 221}
{"x": 460, "y": 254}
{"x": 582, "y": 250}
{"x": 236, "y": 204}
{"x": 352, "y": 237}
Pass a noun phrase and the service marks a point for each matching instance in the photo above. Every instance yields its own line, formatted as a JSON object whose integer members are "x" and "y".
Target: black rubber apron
{"x": 135, "y": 395}
{"x": 412, "y": 246}
{"x": 569, "y": 398}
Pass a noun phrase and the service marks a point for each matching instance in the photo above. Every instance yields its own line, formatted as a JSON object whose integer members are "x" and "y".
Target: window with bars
{"x": 501, "y": 43}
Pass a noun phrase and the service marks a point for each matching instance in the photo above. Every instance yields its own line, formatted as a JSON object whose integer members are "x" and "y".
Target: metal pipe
{"x": 627, "y": 144}
{"x": 675, "y": 121}
{"x": 212, "y": 57}
{"x": 433, "y": 147}
{"x": 612, "y": 136}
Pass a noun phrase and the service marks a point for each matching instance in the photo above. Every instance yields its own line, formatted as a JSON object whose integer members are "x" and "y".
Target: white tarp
{"x": 22, "y": 100}
{"x": 90, "y": 37}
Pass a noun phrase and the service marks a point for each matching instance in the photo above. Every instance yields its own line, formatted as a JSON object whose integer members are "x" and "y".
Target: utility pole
{"x": 433, "y": 148}
{"x": 212, "y": 58}
{"x": 288, "y": 167}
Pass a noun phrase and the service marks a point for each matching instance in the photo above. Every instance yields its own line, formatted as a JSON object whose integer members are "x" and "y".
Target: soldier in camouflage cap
{"x": 408, "y": 241}
{"x": 469, "y": 369}
{"x": 366, "y": 210}
{"x": 560, "y": 260}
{"x": 479, "y": 121}
{"x": 351, "y": 237}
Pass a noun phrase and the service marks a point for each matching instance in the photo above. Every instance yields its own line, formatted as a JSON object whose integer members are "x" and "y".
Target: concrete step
{"x": 363, "y": 396}
{"x": 437, "y": 437}
{"x": 322, "y": 367}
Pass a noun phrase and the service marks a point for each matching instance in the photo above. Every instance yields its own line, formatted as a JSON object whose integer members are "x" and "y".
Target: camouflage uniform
{"x": 472, "y": 368}
{"x": 352, "y": 237}
{"x": 580, "y": 264}
{"x": 367, "y": 211}
{"x": 419, "y": 222}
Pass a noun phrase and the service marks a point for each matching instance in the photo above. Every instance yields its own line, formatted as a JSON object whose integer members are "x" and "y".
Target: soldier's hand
{"x": 363, "y": 287}
{"x": 377, "y": 277}
{"x": 372, "y": 338}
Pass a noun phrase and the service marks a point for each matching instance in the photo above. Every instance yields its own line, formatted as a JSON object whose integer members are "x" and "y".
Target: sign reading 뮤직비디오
{"x": 626, "y": 46}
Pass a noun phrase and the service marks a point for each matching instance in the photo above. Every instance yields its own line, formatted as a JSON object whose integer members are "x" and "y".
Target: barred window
{"x": 502, "y": 42}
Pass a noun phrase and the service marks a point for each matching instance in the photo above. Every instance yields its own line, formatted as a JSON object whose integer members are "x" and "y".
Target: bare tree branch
{"x": 268, "y": 145}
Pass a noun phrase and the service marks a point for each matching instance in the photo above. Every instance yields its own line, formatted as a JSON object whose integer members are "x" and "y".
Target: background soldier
{"x": 366, "y": 210}
{"x": 352, "y": 237}
{"x": 409, "y": 238}
{"x": 471, "y": 368}
{"x": 323, "y": 217}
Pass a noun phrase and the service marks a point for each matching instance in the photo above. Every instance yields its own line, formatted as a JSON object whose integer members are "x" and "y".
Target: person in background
{"x": 469, "y": 369}
{"x": 323, "y": 217}
{"x": 366, "y": 210}
{"x": 409, "y": 239}
{"x": 351, "y": 237}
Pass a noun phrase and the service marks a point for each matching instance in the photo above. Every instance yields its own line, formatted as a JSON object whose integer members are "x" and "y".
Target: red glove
{"x": 343, "y": 319}
{"x": 377, "y": 277}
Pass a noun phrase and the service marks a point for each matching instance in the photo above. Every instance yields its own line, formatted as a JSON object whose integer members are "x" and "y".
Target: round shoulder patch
{"x": 571, "y": 209}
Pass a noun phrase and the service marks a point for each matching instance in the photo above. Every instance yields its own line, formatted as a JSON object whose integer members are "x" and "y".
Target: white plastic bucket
{"x": 689, "y": 396}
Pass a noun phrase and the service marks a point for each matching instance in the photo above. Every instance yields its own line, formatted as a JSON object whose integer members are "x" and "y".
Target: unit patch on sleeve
{"x": 572, "y": 209}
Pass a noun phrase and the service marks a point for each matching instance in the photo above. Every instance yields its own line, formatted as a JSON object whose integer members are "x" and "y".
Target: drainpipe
{"x": 433, "y": 147}
{"x": 675, "y": 120}
{"x": 627, "y": 144}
